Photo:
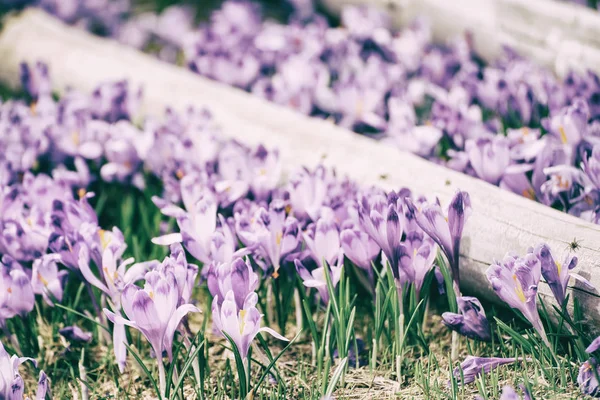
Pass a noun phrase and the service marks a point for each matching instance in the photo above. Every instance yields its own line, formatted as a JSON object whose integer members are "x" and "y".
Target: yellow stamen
{"x": 41, "y": 278}
{"x": 104, "y": 239}
{"x": 275, "y": 274}
{"x": 519, "y": 289}
{"x": 151, "y": 294}
{"x": 75, "y": 138}
{"x": 81, "y": 193}
{"x": 360, "y": 106}
{"x": 558, "y": 267}
{"x": 288, "y": 209}
{"x": 179, "y": 174}
{"x": 529, "y": 193}
{"x": 563, "y": 135}
{"x": 242, "y": 322}
{"x": 33, "y": 107}
{"x": 262, "y": 172}
{"x": 9, "y": 290}
{"x": 278, "y": 238}
{"x": 525, "y": 131}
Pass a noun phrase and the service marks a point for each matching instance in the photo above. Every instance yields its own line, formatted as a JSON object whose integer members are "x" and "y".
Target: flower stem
{"x": 161, "y": 375}
{"x": 454, "y": 351}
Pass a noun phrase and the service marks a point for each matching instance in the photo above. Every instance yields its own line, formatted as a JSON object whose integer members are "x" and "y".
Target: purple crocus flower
{"x": 36, "y": 80}
{"x": 473, "y": 366}
{"x": 236, "y": 276}
{"x": 358, "y": 246}
{"x": 323, "y": 242}
{"x": 489, "y": 157}
{"x": 570, "y": 125}
{"x": 75, "y": 334}
{"x": 11, "y": 383}
{"x": 557, "y": 275}
{"x": 185, "y": 273}
{"x": 471, "y": 322}
{"x": 308, "y": 192}
{"x": 586, "y": 379}
{"x": 16, "y": 293}
{"x": 594, "y": 346}
{"x": 515, "y": 280}
{"x": 196, "y": 224}
{"x": 418, "y": 254}
{"x": 272, "y": 233}
{"x": 591, "y": 166}
{"x": 446, "y": 232}
{"x": 154, "y": 312}
{"x": 242, "y": 325}
{"x": 46, "y": 279}
{"x": 317, "y": 278}
{"x": 379, "y": 217}
{"x": 508, "y": 393}
{"x": 266, "y": 168}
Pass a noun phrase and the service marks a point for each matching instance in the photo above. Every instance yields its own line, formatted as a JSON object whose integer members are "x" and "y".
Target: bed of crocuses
{"x": 154, "y": 256}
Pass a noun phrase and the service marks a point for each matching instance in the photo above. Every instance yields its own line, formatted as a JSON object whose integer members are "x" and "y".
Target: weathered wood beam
{"x": 501, "y": 221}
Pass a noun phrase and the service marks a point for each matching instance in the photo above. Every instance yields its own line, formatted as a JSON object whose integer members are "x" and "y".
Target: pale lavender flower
{"x": 472, "y": 367}
{"x": 358, "y": 246}
{"x": 418, "y": 253}
{"x": 471, "y": 322}
{"x": 317, "y": 278}
{"x": 323, "y": 241}
{"x": 75, "y": 225}
{"x": 594, "y": 346}
{"x": 185, "y": 273}
{"x": 379, "y": 217}
{"x": 570, "y": 125}
{"x": 557, "y": 275}
{"x": 153, "y": 310}
{"x": 508, "y": 393}
{"x": 446, "y": 232}
{"x": 308, "y": 192}
{"x": 236, "y": 276}
{"x": 586, "y": 379}
{"x": 75, "y": 334}
{"x": 265, "y": 167}
{"x": 114, "y": 273}
{"x": 11, "y": 383}
{"x": 591, "y": 166}
{"x": 16, "y": 293}
{"x": 515, "y": 280}
{"x": 196, "y": 224}
{"x": 242, "y": 325}
{"x": 271, "y": 233}
{"x": 563, "y": 179}
{"x": 515, "y": 179}
{"x": 35, "y": 80}
{"x": 46, "y": 279}
{"x": 489, "y": 157}
{"x": 114, "y": 101}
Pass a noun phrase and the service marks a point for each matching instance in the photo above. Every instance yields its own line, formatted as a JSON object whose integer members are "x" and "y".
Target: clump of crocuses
{"x": 515, "y": 280}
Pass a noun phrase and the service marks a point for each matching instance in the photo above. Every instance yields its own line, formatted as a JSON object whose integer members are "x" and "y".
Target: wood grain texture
{"x": 501, "y": 221}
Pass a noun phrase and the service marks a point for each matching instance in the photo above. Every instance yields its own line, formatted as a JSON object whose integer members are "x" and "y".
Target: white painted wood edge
{"x": 501, "y": 221}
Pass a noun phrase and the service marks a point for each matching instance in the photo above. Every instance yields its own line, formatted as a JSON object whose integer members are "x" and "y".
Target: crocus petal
{"x": 169, "y": 239}
{"x": 174, "y": 321}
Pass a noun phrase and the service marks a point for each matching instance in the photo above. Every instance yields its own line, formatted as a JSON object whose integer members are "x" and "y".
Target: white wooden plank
{"x": 501, "y": 221}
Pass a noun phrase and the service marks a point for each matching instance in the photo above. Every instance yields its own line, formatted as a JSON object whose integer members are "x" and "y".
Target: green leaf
{"x": 241, "y": 370}
{"x": 144, "y": 368}
{"x": 337, "y": 375}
